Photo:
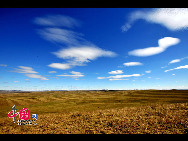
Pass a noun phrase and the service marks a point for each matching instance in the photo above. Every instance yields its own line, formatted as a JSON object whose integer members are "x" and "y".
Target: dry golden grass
{"x": 96, "y": 112}
{"x": 153, "y": 119}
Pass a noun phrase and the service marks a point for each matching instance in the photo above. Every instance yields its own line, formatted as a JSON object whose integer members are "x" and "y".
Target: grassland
{"x": 144, "y": 111}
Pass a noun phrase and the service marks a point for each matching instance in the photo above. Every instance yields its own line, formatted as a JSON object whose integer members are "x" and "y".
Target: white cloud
{"x": 168, "y": 70}
{"x": 117, "y": 79}
{"x": 164, "y": 67}
{"x": 174, "y": 61}
{"x": 57, "y": 20}
{"x": 101, "y": 77}
{"x": 76, "y": 73}
{"x": 171, "y": 18}
{"x": 177, "y": 68}
{"x": 79, "y": 51}
{"x": 23, "y": 69}
{"x": 60, "y": 66}
{"x": 149, "y": 71}
{"x": 116, "y": 72}
{"x": 123, "y": 76}
{"x": 73, "y": 75}
{"x": 52, "y": 72}
{"x": 3, "y": 65}
{"x": 177, "y": 60}
{"x": 132, "y": 64}
{"x": 164, "y": 43}
{"x": 55, "y": 33}
{"x": 173, "y": 74}
{"x": 182, "y": 67}
{"x": 78, "y": 56}
{"x": 29, "y": 72}
{"x": 36, "y": 76}
{"x": 83, "y": 53}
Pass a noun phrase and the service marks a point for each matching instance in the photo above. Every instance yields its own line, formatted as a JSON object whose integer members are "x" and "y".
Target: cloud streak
{"x": 174, "y": 61}
{"x": 177, "y": 60}
{"x": 36, "y": 76}
{"x": 177, "y": 68}
{"x": 3, "y": 65}
{"x": 60, "y": 66}
{"x": 163, "y": 43}
{"x": 123, "y": 76}
{"x": 119, "y": 77}
{"x": 62, "y": 36}
{"x": 128, "y": 64}
{"x": 73, "y": 74}
{"x": 149, "y": 71}
{"x": 29, "y": 72}
{"x": 52, "y": 72}
{"x": 57, "y": 20}
{"x": 23, "y": 69}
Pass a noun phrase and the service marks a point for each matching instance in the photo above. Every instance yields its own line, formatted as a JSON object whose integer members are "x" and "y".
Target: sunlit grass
{"x": 99, "y": 111}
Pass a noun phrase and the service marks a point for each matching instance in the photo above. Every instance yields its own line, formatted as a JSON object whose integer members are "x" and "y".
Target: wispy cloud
{"x": 78, "y": 56}
{"x": 23, "y": 69}
{"x": 29, "y": 72}
{"x": 52, "y": 72}
{"x": 60, "y": 66}
{"x": 36, "y": 76}
{"x": 79, "y": 51}
{"x": 73, "y": 74}
{"x": 54, "y": 32}
{"x": 164, "y": 43}
{"x": 3, "y": 65}
{"x": 174, "y": 61}
{"x": 119, "y": 77}
{"x": 101, "y": 77}
{"x": 171, "y": 18}
{"x": 132, "y": 64}
{"x": 63, "y": 36}
{"x": 123, "y": 76}
{"x": 177, "y": 68}
{"x": 116, "y": 72}
{"x": 57, "y": 20}
{"x": 149, "y": 71}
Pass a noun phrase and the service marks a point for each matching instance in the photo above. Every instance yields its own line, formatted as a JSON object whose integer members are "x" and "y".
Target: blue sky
{"x": 93, "y": 48}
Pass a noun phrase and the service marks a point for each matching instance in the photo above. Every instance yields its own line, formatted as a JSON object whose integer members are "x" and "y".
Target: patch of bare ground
{"x": 150, "y": 119}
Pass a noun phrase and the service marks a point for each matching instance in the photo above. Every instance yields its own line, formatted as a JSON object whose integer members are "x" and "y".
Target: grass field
{"x": 139, "y": 111}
